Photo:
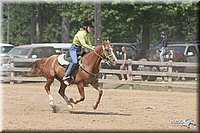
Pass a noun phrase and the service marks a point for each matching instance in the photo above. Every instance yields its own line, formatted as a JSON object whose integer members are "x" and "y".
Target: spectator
{"x": 123, "y": 66}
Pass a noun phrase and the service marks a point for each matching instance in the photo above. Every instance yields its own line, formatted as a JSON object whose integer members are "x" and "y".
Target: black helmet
{"x": 86, "y": 24}
{"x": 163, "y": 33}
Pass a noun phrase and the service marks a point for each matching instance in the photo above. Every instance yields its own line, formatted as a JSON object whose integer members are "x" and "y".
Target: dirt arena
{"x": 26, "y": 107}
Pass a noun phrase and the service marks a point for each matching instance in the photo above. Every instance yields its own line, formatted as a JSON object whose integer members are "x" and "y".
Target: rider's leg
{"x": 162, "y": 55}
{"x": 162, "y": 58}
{"x": 72, "y": 65}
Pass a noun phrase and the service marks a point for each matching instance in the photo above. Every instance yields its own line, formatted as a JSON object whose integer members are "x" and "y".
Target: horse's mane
{"x": 96, "y": 47}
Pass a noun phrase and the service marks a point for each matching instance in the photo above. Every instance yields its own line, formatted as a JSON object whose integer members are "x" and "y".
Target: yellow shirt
{"x": 82, "y": 39}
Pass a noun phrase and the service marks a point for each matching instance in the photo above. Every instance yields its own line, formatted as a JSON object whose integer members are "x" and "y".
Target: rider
{"x": 164, "y": 48}
{"x": 81, "y": 40}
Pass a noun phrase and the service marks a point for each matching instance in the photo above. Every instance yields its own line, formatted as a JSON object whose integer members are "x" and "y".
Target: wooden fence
{"x": 169, "y": 74}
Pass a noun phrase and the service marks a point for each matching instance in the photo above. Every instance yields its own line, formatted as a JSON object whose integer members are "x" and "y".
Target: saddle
{"x": 65, "y": 59}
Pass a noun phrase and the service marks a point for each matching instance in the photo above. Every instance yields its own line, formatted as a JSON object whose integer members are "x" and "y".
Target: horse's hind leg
{"x": 47, "y": 88}
{"x": 97, "y": 87}
{"x": 62, "y": 93}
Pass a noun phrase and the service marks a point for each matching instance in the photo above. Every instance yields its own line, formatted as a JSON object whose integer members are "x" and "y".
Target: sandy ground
{"x": 26, "y": 107}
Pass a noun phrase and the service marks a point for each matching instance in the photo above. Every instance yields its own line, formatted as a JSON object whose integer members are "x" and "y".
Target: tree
{"x": 127, "y": 22}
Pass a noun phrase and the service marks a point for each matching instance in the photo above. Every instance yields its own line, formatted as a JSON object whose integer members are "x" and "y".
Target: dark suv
{"x": 117, "y": 48}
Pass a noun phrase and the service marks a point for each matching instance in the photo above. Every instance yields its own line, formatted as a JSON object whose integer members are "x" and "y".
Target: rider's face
{"x": 89, "y": 29}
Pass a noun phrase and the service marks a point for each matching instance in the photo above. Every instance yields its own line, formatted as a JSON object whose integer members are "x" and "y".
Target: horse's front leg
{"x": 97, "y": 87}
{"x": 81, "y": 92}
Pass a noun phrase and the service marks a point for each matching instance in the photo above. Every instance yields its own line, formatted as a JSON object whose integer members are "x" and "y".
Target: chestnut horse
{"x": 86, "y": 73}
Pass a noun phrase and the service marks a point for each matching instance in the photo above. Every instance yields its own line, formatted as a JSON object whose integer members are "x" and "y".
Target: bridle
{"x": 106, "y": 58}
{"x": 105, "y": 53}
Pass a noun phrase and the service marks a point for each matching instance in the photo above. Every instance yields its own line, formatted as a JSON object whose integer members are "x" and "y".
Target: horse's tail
{"x": 42, "y": 60}
{"x": 36, "y": 67}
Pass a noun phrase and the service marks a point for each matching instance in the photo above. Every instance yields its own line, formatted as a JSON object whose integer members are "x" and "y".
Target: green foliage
{"x": 18, "y": 23}
{"x": 120, "y": 22}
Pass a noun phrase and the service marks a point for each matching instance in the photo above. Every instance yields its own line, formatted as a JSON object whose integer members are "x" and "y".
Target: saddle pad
{"x": 169, "y": 54}
{"x": 62, "y": 61}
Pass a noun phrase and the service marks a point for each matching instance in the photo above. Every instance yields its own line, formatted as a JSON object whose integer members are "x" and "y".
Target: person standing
{"x": 124, "y": 66}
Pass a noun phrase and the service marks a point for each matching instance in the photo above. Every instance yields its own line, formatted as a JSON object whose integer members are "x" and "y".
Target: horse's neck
{"x": 92, "y": 61}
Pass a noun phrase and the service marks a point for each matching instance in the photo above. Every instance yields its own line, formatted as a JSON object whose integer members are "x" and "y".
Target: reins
{"x": 100, "y": 56}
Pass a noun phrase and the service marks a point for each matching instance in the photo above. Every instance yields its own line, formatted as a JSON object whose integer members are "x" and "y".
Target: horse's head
{"x": 108, "y": 53}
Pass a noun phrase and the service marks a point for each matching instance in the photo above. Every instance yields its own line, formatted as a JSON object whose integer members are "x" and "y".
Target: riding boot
{"x": 69, "y": 75}
{"x": 72, "y": 70}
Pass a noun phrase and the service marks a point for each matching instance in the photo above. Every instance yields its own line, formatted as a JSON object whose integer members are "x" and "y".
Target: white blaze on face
{"x": 113, "y": 55}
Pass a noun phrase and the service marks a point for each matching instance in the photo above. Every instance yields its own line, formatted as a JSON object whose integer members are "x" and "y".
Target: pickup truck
{"x": 25, "y": 52}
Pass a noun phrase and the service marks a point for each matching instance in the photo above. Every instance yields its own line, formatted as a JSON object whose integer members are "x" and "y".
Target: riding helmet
{"x": 86, "y": 24}
{"x": 163, "y": 33}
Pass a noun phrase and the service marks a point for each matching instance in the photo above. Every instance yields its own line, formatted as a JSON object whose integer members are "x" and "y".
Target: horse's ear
{"x": 102, "y": 41}
{"x": 108, "y": 41}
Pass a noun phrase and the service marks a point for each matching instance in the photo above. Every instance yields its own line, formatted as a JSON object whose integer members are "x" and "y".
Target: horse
{"x": 154, "y": 55}
{"x": 86, "y": 73}
{"x": 175, "y": 56}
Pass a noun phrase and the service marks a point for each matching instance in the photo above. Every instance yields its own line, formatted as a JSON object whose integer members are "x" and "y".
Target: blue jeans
{"x": 73, "y": 54}
{"x": 164, "y": 51}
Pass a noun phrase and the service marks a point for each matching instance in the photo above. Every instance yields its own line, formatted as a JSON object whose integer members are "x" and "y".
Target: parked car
{"x": 5, "y": 48}
{"x": 25, "y": 52}
{"x": 59, "y": 47}
{"x": 191, "y": 52}
{"x": 130, "y": 48}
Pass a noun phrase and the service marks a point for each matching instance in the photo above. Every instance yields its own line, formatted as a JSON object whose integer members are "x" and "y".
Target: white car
{"x": 5, "y": 48}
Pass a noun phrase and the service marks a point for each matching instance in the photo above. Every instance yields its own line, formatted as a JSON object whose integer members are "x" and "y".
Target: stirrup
{"x": 65, "y": 78}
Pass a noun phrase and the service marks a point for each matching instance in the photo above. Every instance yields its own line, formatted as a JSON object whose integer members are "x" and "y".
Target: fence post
{"x": 170, "y": 77}
{"x": 12, "y": 73}
{"x": 130, "y": 78}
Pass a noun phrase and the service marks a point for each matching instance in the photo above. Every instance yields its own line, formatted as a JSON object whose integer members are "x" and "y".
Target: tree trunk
{"x": 32, "y": 32}
{"x": 146, "y": 31}
{"x": 38, "y": 24}
{"x": 97, "y": 23}
{"x": 145, "y": 37}
{"x": 65, "y": 30}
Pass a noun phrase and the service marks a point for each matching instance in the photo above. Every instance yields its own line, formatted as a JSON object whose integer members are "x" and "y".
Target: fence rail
{"x": 169, "y": 74}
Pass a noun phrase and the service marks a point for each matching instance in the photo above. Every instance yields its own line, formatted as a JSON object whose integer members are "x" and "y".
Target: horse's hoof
{"x": 70, "y": 107}
{"x": 54, "y": 108}
{"x": 71, "y": 100}
{"x": 94, "y": 106}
